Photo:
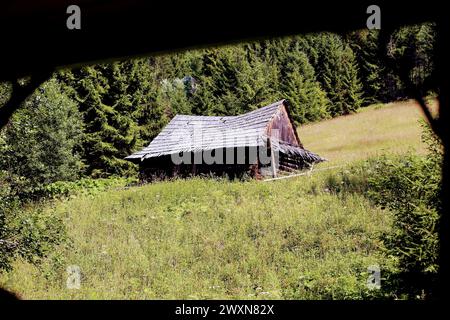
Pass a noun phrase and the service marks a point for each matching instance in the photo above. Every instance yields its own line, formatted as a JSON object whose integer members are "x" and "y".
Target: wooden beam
{"x": 272, "y": 159}
{"x": 308, "y": 173}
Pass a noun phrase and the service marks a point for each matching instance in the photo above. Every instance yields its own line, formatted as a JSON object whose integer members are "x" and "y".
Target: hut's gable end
{"x": 282, "y": 128}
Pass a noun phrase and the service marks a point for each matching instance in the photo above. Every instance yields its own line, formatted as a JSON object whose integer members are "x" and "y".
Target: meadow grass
{"x": 374, "y": 130}
{"x": 200, "y": 238}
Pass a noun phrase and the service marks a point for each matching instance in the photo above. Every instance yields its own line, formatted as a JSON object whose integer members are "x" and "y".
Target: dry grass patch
{"x": 392, "y": 128}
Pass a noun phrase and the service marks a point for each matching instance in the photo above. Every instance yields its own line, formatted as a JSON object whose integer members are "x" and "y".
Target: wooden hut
{"x": 258, "y": 143}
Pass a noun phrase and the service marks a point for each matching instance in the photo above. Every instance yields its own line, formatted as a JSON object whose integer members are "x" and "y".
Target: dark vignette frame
{"x": 36, "y": 42}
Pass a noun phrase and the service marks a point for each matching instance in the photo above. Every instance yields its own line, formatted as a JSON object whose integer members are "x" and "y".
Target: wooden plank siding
{"x": 281, "y": 128}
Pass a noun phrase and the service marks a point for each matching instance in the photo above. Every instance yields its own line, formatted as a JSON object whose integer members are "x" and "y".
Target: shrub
{"x": 29, "y": 232}
{"x": 41, "y": 143}
{"x": 84, "y": 186}
{"x": 25, "y": 230}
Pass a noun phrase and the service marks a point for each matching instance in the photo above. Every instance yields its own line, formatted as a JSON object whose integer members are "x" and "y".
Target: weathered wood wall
{"x": 282, "y": 129}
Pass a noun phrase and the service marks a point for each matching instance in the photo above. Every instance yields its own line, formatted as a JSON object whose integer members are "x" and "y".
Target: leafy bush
{"x": 84, "y": 186}
{"x": 25, "y": 230}
{"x": 40, "y": 145}
{"x": 28, "y": 231}
{"x": 39, "y": 155}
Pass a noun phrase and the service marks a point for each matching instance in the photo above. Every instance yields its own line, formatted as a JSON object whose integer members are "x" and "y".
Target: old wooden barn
{"x": 258, "y": 143}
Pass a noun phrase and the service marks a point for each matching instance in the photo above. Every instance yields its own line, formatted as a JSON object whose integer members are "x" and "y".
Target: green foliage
{"x": 85, "y": 186}
{"x": 28, "y": 230}
{"x": 118, "y": 103}
{"x": 174, "y": 96}
{"x": 307, "y": 99}
{"x": 337, "y": 71}
{"x": 413, "y": 48}
{"x": 40, "y": 145}
{"x": 372, "y": 69}
{"x": 231, "y": 81}
{"x": 411, "y": 51}
{"x": 25, "y": 230}
{"x": 5, "y": 92}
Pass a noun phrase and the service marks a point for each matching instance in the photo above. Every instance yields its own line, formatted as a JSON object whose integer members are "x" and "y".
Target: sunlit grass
{"x": 212, "y": 239}
{"x": 376, "y": 129}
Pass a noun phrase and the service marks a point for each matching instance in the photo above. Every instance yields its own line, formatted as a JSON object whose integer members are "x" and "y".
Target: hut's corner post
{"x": 141, "y": 170}
{"x": 272, "y": 159}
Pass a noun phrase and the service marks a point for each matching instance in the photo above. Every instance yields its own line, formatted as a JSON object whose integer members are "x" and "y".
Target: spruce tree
{"x": 336, "y": 70}
{"x": 413, "y": 50}
{"x": 231, "y": 82}
{"x": 118, "y": 102}
{"x": 173, "y": 96}
{"x": 308, "y": 101}
{"x": 364, "y": 44}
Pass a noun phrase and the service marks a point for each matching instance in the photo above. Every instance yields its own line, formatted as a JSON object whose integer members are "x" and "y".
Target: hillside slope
{"x": 212, "y": 239}
{"x": 377, "y": 129}
{"x": 200, "y": 238}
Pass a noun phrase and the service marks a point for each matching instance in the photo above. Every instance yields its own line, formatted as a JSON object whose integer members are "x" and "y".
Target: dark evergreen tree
{"x": 173, "y": 96}
{"x": 231, "y": 82}
{"x": 364, "y": 44}
{"x": 308, "y": 101}
{"x": 410, "y": 48}
{"x": 336, "y": 70}
{"x": 413, "y": 49}
{"x": 118, "y": 102}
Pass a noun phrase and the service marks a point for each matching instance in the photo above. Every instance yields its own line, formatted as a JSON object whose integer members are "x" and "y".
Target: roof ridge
{"x": 275, "y": 104}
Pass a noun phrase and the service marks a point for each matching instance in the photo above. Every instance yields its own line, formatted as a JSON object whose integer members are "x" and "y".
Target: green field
{"x": 216, "y": 239}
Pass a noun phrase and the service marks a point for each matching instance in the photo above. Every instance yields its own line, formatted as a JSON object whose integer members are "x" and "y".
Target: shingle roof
{"x": 187, "y": 133}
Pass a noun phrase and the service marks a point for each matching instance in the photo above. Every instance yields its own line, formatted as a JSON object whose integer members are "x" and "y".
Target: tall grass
{"x": 201, "y": 238}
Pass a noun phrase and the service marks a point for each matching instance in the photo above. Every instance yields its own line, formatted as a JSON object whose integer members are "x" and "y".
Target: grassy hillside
{"x": 212, "y": 239}
{"x": 374, "y": 130}
{"x": 198, "y": 238}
